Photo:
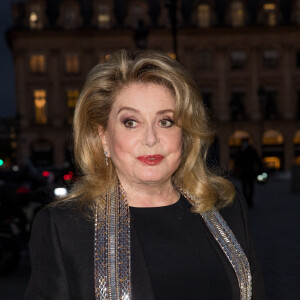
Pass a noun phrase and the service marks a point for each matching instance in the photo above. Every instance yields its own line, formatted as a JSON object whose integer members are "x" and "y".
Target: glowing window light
{"x": 72, "y": 63}
{"x": 33, "y": 17}
{"x": 203, "y": 15}
{"x": 38, "y": 63}
{"x": 269, "y": 6}
{"x": 272, "y": 162}
{"x": 40, "y": 105}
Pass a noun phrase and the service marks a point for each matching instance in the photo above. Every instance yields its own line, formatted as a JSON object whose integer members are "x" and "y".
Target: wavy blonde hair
{"x": 103, "y": 84}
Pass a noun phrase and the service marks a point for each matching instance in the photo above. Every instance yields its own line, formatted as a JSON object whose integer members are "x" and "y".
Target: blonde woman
{"x": 147, "y": 219}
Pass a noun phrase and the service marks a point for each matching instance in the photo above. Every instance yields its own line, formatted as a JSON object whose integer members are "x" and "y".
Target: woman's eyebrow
{"x": 163, "y": 111}
{"x": 160, "y": 112}
{"x": 128, "y": 108}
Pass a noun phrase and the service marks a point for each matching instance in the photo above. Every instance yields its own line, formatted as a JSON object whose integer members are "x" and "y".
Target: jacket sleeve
{"x": 258, "y": 292}
{"x": 48, "y": 277}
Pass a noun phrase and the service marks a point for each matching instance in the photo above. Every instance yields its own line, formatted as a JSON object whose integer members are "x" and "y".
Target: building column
{"x": 57, "y": 105}
{"x": 23, "y": 107}
{"x": 254, "y": 86}
{"x": 223, "y": 136}
{"x": 286, "y": 101}
{"x": 222, "y": 111}
{"x": 59, "y": 149}
{"x": 288, "y": 135}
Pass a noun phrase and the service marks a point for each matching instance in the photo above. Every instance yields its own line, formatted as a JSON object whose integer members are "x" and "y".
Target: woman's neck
{"x": 150, "y": 195}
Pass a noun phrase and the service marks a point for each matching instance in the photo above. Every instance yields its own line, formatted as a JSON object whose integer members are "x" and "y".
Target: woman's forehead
{"x": 142, "y": 96}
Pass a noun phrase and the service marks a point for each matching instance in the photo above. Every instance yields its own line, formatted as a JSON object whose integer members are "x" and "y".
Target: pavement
{"x": 275, "y": 220}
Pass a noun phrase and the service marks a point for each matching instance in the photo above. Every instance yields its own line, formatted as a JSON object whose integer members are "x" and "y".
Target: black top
{"x": 180, "y": 259}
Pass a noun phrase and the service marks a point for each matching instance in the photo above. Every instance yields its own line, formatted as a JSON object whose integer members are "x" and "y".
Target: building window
{"x": 297, "y": 147}
{"x": 103, "y": 16}
{"x": 270, "y": 105}
{"x": 38, "y": 63}
{"x": 270, "y": 12}
{"x": 272, "y": 149}
{"x": 70, "y": 17}
{"x": 297, "y": 12}
{"x": 203, "y": 15}
{"x": 72, "y": 65}
{"x": 36, "y": 17}
{"x": 237, "y": 13}
{"x": 238, "y": 60}
{"x": 270, "y": 58}
{"x": 72, "y": 97}
{"x": 138, "y": 15}
{"x": 40, "y": 106}
{"x": 204, "y": 60}
{"x": 236, "y": 104}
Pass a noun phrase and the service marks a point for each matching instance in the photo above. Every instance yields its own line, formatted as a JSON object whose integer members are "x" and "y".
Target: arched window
{"x": 35, "y": 12}
{"x": 103, "y": 16}
{"x": 237, "y": 105}
{"x": 237, "y": 13}
{"x": 270, "y": 58}
{"x": 70, "y": 17}
{"x": 297, "y": 147}
{"x": 296, "y": 12}
{"x": 203, "y": 15}
{"x": 238, "y": 59}
{"x": 272, "y": 151}
{"x": 137, "y": 14}
{"x": 270, "y": 13}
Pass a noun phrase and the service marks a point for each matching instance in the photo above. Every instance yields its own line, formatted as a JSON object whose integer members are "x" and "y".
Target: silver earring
{"x": 106, "y": 157}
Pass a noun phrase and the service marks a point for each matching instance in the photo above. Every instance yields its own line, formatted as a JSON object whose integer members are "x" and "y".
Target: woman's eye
{"x": 130, "y": 123}
{"x": 166, "y": 123}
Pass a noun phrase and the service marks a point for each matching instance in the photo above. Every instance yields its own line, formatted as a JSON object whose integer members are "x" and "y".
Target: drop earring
{"x": 106, "y": 157}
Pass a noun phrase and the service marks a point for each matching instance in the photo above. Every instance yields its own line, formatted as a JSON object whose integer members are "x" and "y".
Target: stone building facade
{"x": 244, "y": 55}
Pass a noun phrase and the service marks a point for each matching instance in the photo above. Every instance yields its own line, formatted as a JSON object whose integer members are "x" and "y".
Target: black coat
{"x": 62, "y": 256}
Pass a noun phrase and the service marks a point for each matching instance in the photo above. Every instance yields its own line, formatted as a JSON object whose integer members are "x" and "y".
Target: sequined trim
{"x": 232, "y": 249}
{"x": 112, "y": 248}
{"x": 230, "y": 246}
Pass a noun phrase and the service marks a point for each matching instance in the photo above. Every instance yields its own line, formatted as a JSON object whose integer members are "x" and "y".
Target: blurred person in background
{"x": 247, "y": 165}
{"x": 146, "y": 219}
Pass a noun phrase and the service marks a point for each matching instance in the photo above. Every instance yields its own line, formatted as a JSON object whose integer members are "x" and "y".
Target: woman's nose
{"x": 151, "y": 137}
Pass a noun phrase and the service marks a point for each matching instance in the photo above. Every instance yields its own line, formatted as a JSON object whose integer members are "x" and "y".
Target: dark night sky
{"x": 7, "y": 84}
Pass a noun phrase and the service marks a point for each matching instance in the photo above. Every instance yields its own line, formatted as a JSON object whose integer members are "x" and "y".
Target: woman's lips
{"x": 151, "y": 160}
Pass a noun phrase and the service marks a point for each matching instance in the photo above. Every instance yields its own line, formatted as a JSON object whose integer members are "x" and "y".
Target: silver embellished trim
{"x": 112, "y": 257}
{"x": 232, "y": 249}
{"x": 230, "y": 246}
{"x": 112, "y": 248}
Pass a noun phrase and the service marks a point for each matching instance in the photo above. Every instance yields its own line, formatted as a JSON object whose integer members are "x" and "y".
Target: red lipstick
{"x": 151, "y": 160}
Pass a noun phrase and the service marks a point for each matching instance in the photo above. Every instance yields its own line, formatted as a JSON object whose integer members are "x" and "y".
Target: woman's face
{"x": 141, "y": 137}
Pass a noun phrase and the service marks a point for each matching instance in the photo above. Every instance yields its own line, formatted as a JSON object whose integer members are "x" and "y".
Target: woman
{"x": 147, "y": 219}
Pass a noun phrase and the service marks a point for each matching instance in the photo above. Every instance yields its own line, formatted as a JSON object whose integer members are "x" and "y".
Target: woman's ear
{"x": 102, "y": 135}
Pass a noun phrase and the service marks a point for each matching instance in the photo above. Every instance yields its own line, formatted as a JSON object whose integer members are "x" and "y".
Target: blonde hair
{"x": 103, "y": 83}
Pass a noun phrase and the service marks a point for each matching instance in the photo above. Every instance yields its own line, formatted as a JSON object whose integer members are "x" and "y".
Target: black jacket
{"x": 62, "y": 256}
